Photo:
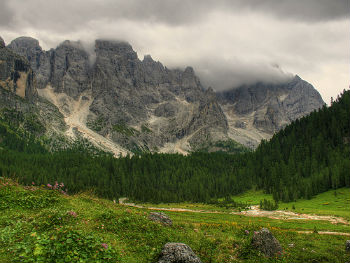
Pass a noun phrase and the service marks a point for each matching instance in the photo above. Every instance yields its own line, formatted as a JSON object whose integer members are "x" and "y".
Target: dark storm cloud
{"x": 228, "y": 42}
{"x": 72, "y": 15}
{"x": 302, "y": 10}
{"x": 6, "y": 15}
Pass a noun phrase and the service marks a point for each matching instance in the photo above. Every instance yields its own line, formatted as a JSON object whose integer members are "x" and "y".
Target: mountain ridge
{"x": 141, "y": 105}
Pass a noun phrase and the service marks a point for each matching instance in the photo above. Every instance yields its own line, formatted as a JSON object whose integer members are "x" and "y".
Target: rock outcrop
{"x": 178, "y": 252}
{"x": 18, "y": 94}
{"x": 39, "y": 60}
{"x": 257, "y": 111}
{"x": 266, "y": 243}
{"x": 2, "y": 43}
{"x": 347, "y": 246}
{"x": 160, "y": 218}
{"x": 16, "y": 74}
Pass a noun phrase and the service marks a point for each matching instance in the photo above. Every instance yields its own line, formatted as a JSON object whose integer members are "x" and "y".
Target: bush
{"x": 64, "y": 246}
{"x": 268, "y": 205}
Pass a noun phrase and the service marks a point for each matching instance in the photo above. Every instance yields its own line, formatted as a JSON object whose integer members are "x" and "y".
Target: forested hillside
{"x": 309, "y": 156}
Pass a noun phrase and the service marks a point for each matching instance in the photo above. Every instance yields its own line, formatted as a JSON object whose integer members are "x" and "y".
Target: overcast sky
{"x": 228, "y": 42}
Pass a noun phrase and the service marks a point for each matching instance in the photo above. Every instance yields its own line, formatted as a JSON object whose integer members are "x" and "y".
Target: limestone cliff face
{"x": 18, "y": 94}
{"x": 139, "y": 105}
{"x": 39, "y": 60}
{"x": 123, "y": 103}
{"x": 16, "y": 74}
{"x": 257, "y": 111}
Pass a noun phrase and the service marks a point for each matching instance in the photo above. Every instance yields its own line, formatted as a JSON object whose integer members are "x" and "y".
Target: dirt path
{"x": 254, "y": 212}
{"x": 288, "y": 215}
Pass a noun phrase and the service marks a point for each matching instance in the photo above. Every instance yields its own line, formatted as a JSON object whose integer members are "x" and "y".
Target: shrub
{"x": 268, "y": 205}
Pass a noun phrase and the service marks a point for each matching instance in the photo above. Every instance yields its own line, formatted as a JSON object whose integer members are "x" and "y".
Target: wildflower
{"x": 72, "y": 213}
{"x": 104, "y": 245}
{"x": 33, "y": 183}
{"x": 246, "y": 232}
{"x": 49, "y": 185}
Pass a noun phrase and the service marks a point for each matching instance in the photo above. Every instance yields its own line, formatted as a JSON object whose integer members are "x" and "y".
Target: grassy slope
{"x": 38, "y": 225}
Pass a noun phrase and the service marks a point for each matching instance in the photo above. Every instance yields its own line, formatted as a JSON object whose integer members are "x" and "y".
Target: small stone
{"x": 266, "y": 243}
{"x": 178, "y": 252}
{"x": 347, "y": 246}
{"x": 161, "y": 218}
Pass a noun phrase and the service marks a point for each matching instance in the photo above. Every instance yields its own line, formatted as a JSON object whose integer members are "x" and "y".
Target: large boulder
{"x": 161, "y": 218}
{"x": 266, "y": 243}
{"x": 178, "y": 253}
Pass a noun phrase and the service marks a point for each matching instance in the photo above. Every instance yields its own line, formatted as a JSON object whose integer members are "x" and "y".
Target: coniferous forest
{"x": 309, "y": 156}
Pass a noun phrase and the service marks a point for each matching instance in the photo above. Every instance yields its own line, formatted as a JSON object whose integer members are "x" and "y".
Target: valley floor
{"x": 42, "y": 225}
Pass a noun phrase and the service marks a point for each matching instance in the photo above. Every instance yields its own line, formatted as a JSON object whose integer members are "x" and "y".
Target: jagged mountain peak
{"x": 71, "y": 44}
{"x": 16, "y": 76}
{"x": 24, "y": 42}
{"x": 148, "y": 58}
{"x": 142, "y": 105}
{"x": 2, "y": 42}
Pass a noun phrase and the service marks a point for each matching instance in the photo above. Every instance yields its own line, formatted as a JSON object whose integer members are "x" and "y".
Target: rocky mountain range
{"x": 123, "y": 104}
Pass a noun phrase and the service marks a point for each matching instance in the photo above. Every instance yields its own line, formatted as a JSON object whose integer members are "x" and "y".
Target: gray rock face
{"x": 267, "y": 108}
{"x": 16, "y": 75}
{"x": 18, "y": 92}
{"x": 70, "y": 69}
{"x": 347, "y": 246}
{"x": 161, "y": 218}
{"x": 2, "y": 43}
{"x": 39, "y": 59}
{"x": 128, "y": 94}
{"x": 178, "y": 253}
{"x": 124, "y": 95}
{"x": 266, "y": 243}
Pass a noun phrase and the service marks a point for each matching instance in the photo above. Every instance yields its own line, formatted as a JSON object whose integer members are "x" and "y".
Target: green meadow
{"x": 38, "y": 224}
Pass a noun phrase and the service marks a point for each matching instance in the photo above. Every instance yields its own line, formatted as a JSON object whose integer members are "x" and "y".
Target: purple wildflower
{"x": 49, "y": 185}
{"x": 104, "y": 245}
{"x": 72, "y": 213}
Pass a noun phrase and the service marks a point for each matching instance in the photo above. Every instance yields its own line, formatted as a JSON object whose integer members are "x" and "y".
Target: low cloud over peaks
{"x": 223, "y": 75}
{"x": 228, "y": 42}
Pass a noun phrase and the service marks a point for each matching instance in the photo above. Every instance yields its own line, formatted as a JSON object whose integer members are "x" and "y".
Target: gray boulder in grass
{"x": 266, "y": 243}
{"x": 347, "y": 246}
{"x": 178, "y": 253}
{"x": 161, "y": 218}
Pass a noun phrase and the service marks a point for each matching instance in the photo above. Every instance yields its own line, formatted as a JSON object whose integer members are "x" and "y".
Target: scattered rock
{"x": 178, "y": 252}
{"x": 161, "y": 218}
{"x": 266, "y": 243}
{"x": 347, "y": 246}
